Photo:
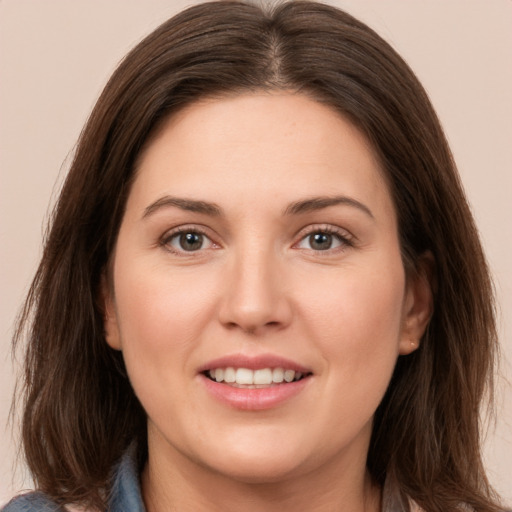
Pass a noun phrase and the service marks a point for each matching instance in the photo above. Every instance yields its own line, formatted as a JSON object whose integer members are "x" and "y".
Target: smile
{"x": 254, "y": 379}
{"x": 253, "y": 383}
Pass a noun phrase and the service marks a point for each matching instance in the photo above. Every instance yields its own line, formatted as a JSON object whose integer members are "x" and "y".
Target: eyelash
{"x": 342, "y": 236}
{"x": 345, "y": 239}
{"x": 166, "y": 239}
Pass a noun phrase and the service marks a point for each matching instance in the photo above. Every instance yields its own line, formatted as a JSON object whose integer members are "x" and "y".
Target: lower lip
{"x": 254, "y": 399}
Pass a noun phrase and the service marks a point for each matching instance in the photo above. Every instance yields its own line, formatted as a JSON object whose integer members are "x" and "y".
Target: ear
{"x": 110, "y": 323}
{"x": 418, "y": 304}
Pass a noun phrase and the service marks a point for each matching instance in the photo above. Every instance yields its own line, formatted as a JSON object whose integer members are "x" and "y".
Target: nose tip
{"x": 255, "y": 300}
{"x": 252, "y": 320}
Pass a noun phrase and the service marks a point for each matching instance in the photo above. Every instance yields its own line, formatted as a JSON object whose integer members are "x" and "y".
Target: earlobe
{"x": 418, "y": 304}
{"x": 408, "y": 346}
{"x": 110, "y": 324}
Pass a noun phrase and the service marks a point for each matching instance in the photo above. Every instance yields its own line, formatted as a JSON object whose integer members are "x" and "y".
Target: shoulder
{"x": 32, "y": 502}
{"x": 125, "y": 493}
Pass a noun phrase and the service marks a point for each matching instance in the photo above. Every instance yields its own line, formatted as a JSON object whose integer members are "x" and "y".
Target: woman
{"x": 262, "y": 287}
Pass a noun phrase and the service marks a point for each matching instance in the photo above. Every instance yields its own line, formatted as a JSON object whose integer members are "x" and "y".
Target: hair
{"x": 80, "y": 412}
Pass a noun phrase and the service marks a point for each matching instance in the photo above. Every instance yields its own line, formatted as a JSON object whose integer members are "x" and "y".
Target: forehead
{"x": 277, "y": 145}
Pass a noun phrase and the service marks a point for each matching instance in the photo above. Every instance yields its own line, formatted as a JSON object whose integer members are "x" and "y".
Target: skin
{"x": 257, "y": 285}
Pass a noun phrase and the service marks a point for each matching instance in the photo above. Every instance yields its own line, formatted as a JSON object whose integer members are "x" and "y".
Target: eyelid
{"x": 346, "y": 238}
{"x": 165, "y": 239}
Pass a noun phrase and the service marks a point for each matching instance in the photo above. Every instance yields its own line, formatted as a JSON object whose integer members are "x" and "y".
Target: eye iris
{"x": 320, "y": 241}
{"x": 191, "y": 241}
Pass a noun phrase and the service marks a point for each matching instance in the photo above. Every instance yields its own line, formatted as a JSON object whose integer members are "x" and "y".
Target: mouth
{"x": 255, "y": 383}
{"x": 246, "y": 378}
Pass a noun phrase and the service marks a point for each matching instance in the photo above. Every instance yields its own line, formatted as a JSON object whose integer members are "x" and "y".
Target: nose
{"x": 255, "y": 298}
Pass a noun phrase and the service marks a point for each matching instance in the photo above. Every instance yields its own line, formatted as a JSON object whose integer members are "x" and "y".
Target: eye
{"x": 188, "y": 240}
{"x": 323, "y": 240}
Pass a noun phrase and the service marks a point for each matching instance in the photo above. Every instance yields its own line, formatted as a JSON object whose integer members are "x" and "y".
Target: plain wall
{"x": 56, "y": 55}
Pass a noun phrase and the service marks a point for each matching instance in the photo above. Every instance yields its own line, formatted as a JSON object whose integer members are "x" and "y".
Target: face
{"x": 258, "y": 294}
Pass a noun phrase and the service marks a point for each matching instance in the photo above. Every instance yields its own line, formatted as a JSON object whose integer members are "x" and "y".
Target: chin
{"x": 261, "y": 470}
{"x": 248, "y": 453}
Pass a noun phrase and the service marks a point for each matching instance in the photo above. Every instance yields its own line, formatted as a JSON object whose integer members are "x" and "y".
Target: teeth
{"x": 278, "y": 375}
{"x": 263, "y": 376}
{"x": 229, "y": 375}
{"x": 247, "y": 377}
{"x": 244, "y": 376}
{"x": 289, "y": 375}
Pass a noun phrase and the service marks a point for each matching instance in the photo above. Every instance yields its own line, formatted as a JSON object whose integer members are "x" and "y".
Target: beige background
{"x": 55, "y": 56}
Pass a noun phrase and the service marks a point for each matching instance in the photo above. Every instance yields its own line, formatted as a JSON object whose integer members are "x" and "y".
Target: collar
{"x": 126, "y": 493}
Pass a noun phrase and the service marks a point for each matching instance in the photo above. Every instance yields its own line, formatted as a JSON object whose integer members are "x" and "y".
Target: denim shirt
{"x": 126, "y": 494}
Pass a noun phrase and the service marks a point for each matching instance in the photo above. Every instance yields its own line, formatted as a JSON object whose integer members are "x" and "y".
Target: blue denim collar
{"x": 126, "y": 493}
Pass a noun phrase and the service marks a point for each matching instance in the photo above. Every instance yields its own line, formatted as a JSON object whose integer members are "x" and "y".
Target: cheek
{"x": 159, "y": 308}
{"x": 162, "y": 315}
{"x": 357, "y": 324}
{"x": 357, "y": 330}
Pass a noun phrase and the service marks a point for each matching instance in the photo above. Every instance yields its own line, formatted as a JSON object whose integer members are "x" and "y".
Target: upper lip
{"x": 253, "y": 363}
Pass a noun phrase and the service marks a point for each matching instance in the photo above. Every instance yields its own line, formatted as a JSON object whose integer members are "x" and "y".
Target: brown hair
{"x": 80, "y": 411}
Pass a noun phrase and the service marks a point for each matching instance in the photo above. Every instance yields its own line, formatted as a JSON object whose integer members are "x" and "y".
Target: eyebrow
{"x": 190, "y": 205}
{"x": 295, "y": 208}
{"x": 318, "y": 203}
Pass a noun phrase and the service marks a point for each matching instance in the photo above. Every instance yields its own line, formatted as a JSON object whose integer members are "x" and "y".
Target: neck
{"x": 171, "y": 481}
